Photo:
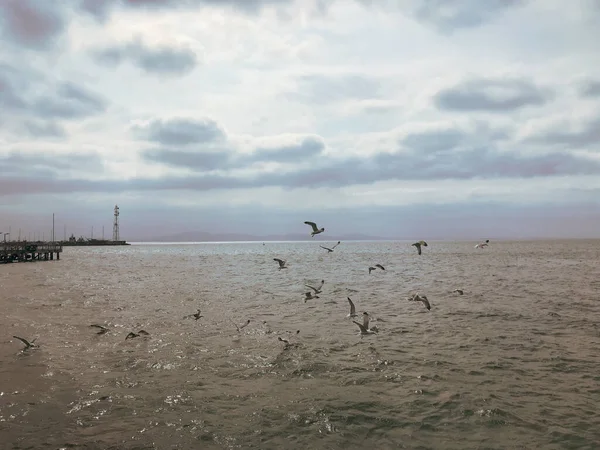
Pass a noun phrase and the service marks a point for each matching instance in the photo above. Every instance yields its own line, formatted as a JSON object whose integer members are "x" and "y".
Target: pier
{"x": 23, "y": 251}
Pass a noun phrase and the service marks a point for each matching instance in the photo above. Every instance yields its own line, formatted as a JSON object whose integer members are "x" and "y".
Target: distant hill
{"x": 202, "y": 236}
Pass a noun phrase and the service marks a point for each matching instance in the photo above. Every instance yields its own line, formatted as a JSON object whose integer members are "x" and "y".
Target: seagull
{"x": 483, "y": 244}
{"x": 420, "y": 298}
{"x": 376, "y": 266}
{"x": 317, "y": 290}
{"x": 364, "y": 327}
{"x": 196, "y": 315}
{"x": 132, "y": 335}
{"x": 419, "y": 244}
{"x": 352, "y": 309}
{"x": 286, "y": 342}
{"x": 281, "y": 263}
{"x": 28, "y": 344}
{"x": 329, "y": 250}
{"x": 102, "y": 328}
{"x": 239, "y": 328}
{"x": 459, "y": 291}
{"x": 315, "y": 229}
{"x": 309, "y": 296}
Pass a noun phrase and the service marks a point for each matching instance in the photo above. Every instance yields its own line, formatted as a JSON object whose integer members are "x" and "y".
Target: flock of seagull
{"x": 364, "y": 327}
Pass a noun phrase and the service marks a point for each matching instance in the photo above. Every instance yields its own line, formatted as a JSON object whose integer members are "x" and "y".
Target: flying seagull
{"x": 376, "y": 266}
{"x": 281, "y": 263}
{"x": 419, "y": 244}
{"x": 420, "y": 298}
{"x": 28, "y": 344}
{"x": 352, "y": 309}
{"x": 239, "y": 328}
{"x": 364, "y": 327}
{"x": 315, "y": 229}
{"x": 132, "y": 335}
{"x": 102, "y": 329}
{"x": 309, "y": 296}
{"x": 329, "y": 250}
{"x": 459, "y": 291}
{"x": 196, "y": 315}
{"x": 317, "y": 290}
{"x": 483, "y": 244}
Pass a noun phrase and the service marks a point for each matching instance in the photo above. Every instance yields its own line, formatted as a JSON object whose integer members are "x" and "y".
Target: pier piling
{"x": 24, "y": 251}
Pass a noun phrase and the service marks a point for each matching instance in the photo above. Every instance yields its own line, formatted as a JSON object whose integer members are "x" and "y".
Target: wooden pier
{"x": 29, "y": 251}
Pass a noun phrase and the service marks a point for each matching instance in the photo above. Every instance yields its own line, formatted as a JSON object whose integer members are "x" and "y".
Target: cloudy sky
{"x": 401, "y": 118}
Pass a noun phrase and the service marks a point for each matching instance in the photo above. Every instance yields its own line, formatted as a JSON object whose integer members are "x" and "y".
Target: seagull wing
{"x": 235, "y": 325}
{"x": 328, "y": 249}
{"x": 352, "y": 308}
{"x": 314, "y": 289}
{"x": 24, "y": 341}
{"x": 425, "y": 302}
{"x": 361, "y": 326}
{"x": 99, "y": 326}
{"x": 371, "y": 268}
{"x": 321, "y": 285}
{"x": 313, "y": 225}
{"x": 246, "y": 324}
{"x": 366, "y": 321}
{"x": 280, "y": 261}
{"x": 380, "y": 266}
{"x": 338, "y": 243}
{"x": 418, "y": 245}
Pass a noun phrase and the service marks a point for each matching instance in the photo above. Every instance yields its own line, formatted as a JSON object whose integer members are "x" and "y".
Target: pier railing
{"x": 29, "y": 251}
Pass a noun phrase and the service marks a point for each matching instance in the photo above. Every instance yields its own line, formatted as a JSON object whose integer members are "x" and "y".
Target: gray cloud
{"x": 333, "y": 88}
{"x": 9, "y": 98}
{"x": 69, "y": 101}
{"x": 309, "y": 147}
{"x": 224, "y": 158}
{"x": 199, "y": 160}
{"x": 468, "y": 160}
{"x": 590, "y": 88}
{"x": 31, "y": 23}
{"x": 587, "y": 136}
{"x": 41, "y": 168}
{"x": 251, "y": 6}
{"x": 47, "y": 129}
{"x": 181, "y": 131}
{"x": 28, "y": 94}
{"x": 435, "y": 141}
{"x": 495, "y": 96}
{"x": 167, "y": 61}
{"x": 449, "y": 15}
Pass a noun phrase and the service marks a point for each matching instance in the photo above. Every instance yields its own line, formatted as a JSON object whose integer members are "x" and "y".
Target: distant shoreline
{"x": 526, "y": 239}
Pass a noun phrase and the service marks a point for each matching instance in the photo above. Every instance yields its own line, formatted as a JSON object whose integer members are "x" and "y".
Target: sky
{"x": 449, "y": 119}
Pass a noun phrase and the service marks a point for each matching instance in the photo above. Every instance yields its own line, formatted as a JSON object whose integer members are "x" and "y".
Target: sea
{"x": 512, "y": 363}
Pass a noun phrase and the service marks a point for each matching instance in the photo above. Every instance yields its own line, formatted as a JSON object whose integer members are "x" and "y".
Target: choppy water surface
{"x": 513, "y": 363}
